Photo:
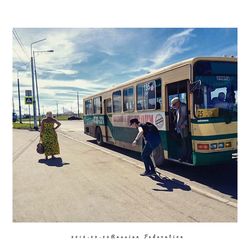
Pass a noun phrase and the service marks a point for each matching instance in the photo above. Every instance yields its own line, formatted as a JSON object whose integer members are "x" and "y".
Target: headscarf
{"x": 49, "y": 114}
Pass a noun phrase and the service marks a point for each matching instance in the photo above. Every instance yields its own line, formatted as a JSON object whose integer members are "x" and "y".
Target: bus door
{"x": 107, "y": 111}
{"x": 177, "y": 89}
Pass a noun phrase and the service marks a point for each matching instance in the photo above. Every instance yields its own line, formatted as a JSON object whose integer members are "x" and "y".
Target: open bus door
{"x": 177, "y": 89}
{"x": 107, "y": 110}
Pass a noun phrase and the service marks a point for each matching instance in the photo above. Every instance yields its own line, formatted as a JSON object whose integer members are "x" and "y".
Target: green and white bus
{"x": 207, "y": 85}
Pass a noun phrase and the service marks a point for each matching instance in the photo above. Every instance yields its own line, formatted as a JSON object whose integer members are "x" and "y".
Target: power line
{"x": 20, "y": 57}
{"x": 20, "y": 43}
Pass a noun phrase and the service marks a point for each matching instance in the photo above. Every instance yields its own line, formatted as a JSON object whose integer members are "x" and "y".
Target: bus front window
{"x": 216, "y": 96}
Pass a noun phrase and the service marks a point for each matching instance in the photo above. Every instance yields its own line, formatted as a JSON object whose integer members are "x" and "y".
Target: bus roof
{"x": 162, "y": 70}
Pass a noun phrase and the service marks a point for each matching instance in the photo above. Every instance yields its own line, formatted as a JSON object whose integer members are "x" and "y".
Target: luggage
{"x": 40, "y": 148}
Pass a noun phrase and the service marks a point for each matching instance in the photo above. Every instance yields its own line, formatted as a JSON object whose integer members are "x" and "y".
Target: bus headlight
{"x": 213, "y": 146}
{"x": 228, "y": 144}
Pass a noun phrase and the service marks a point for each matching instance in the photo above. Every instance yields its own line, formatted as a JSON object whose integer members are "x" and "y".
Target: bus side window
{"x": 98, "y": 105}
{"x": 139, "y": 106}
{"x": 109, "y": 106}
{"x": 117, "y": 101}
{"x": 88, "y": 107}
{"x": 158, "y": 94}
{"x": 139, "y": 95}
{"x": 128, "y": 99}
{"x": 151, "y": 95}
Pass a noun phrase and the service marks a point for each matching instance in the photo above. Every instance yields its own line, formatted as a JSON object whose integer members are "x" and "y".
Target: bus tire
{"x": 98, "y": 135}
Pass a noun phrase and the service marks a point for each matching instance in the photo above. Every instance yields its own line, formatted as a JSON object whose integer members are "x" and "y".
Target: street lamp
{"x": 33, "y": 83}
{"x": 37, "y": 94}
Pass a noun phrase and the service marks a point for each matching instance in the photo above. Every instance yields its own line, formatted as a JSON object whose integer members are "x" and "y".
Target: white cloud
{"x": 46, "y": 84}
{"x": 71, "y": 46}
{"x": 109, "y": 52}
{"x": 62, "y": 41}
{"x": 172, "y": 46}
{"x": 57, "y": 71}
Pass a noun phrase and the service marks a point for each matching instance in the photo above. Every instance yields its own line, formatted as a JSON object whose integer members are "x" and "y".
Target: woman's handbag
{"x": 40, "y": 148}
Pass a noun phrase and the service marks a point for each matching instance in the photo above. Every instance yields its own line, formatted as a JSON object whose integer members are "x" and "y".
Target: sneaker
{"x": 152, "y": 173}
{"x": 146, "y": 173}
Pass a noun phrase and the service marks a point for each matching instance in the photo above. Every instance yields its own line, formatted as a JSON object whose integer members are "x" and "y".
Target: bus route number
{"x": 213, "y": 112}
{"x": 200, "y": 113}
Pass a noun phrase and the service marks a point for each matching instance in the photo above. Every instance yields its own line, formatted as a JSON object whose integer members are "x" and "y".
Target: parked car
{"x": 25, "y": 116}
{"x": 73, "y": 117}
{"x": 14, "y": 117}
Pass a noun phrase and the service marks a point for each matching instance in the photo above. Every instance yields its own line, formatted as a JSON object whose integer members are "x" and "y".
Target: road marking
{"x": 170, "y": 176}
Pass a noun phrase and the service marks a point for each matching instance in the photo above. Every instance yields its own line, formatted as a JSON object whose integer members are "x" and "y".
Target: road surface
{"x": 88, "y": 183}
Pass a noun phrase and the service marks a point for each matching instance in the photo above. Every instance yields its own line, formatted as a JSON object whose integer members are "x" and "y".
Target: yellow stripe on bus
{"x": 210, "y": 129}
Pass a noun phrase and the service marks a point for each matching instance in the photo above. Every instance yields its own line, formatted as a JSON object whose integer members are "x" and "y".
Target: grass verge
{"x": 18, "y": 125}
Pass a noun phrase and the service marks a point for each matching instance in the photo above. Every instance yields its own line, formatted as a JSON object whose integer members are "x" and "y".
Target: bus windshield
{"x": 216, "y": 91}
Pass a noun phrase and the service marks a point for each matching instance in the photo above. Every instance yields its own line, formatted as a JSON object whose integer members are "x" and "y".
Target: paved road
{"x": 95, "y": 184}
{"x": 216, "y": 180}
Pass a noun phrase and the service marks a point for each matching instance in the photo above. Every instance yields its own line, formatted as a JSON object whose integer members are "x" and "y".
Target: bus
{"x": 207, "y": 85}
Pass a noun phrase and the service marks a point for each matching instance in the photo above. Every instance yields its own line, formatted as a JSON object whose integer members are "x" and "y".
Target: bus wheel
{"x": 98, "y": 135}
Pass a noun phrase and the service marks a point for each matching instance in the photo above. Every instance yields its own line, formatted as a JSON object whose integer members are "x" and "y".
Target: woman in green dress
{"x": 48, "y": 135}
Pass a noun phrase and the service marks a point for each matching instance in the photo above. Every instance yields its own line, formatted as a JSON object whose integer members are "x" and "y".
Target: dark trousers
{"x": 186, "y": 149}
{"x": 146, "y": 152}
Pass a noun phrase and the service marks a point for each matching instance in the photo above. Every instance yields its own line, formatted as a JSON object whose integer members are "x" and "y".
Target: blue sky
{"x": 90, "y": 60}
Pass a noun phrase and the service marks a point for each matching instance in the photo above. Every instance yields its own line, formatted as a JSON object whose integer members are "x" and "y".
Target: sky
{"x": 90, "y": 60}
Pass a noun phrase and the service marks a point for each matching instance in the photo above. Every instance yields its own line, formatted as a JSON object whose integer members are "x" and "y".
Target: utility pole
{"x": 78, "y": 104}
{"x": 33, "y": 83}
{"x": 13, "y": 105}
{"x": 37, "y": 95}
{"x": 57, "y": 109}
{"x": 33, "y": 93}
{"x": 19, "y": 100}
{"x": 35, "y": 71}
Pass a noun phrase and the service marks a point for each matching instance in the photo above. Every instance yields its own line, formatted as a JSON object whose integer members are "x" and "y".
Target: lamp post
{"x": 37, "y": 94}
{"x": 78, "y": 104}
{"x": 18, "y": 91}
{"x": 19, "y": 100}
{"x": 56, "y": 109}
{"x": 33, "y": 83}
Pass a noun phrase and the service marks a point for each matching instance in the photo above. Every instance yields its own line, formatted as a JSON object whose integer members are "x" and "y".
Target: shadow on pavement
{"x": 168, "y": 184}
{"x": 55, "y": 162}
{"x": 222, "y": 178}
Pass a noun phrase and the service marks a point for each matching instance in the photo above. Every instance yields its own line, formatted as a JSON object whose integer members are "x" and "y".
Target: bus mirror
{"x": 195, "y": 85}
